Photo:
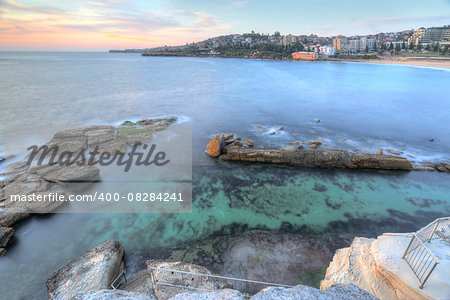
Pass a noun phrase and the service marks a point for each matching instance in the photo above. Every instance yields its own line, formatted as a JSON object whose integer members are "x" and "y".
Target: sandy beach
{"x": 428, "y": 62}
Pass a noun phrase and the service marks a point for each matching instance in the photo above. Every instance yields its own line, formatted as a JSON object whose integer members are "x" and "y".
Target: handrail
{"x": 419, "y": 260}
{"x": 185, "y": 280}
{"x": 121, "y": 276}
{"x": 223, "y": 277}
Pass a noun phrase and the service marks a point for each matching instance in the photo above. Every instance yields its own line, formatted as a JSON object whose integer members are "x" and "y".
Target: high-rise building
{"x": 429, "y": 35}
{"x": 340, "y": 43}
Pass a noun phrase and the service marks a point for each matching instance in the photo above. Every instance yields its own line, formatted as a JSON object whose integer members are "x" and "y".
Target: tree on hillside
{"x": 436, "y": 47}
{"x": 419, "y": 47}
{"x": 411, "y": 46}
{"x": 397, "y": 48}
{"x": 375, "y": 47}
{"x": 391, "y": 46}
{"x": 367, "y": 48}
{"x": 403, "y": 45}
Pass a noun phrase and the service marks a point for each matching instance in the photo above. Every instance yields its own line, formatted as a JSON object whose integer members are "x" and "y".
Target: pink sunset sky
{"x": 116, "y": 24}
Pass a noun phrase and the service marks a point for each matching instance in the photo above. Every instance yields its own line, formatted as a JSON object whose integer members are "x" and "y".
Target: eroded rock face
{"x": 376, "y": 265}
{"x": 94, "y": 270}
{"x": 5, "y": 234}
{"x": 336, "y": 292}
{"x": 215, "y": 146}
{"x": 225, "y": 294}
{"x": 181, "y": 279}
{"x": 114, "y": 295}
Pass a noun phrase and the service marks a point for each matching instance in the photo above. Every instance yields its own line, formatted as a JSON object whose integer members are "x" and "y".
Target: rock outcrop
{"x": 376, "y": 265}
{"x": 215, "y": 146}
{"x": 94, "y": 270}
{"x": 66, "y": 175}
{"x": 318, "y": 158}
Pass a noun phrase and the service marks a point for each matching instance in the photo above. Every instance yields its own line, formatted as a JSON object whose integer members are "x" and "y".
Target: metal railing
{"x": 418, "y": 256}
{"x": 177, "y": 279}
{"x": 122, "y": 277}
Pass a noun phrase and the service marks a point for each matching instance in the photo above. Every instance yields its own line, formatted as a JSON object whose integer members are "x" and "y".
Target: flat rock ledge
{"x": 25, "y": 180}
{"x": 95, "y": 270}
{"x": 319, "y": 159}
{"x": 238, "y": 150}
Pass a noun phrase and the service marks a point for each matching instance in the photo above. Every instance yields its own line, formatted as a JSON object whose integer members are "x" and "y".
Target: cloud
{"x": 98, "y": 20}
{"x": 204, "y": 19}
{"x": 40, "y": 9}
{"x": 239, "y": 3}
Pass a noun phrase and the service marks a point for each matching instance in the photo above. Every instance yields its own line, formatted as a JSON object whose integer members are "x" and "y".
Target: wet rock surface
{"x": 94, "y": 270}
{"x": 5, "y": 235}
{"x": 318, "y": 158}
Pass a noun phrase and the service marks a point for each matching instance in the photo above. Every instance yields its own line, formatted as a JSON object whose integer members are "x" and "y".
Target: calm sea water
{"x": 362, "y": 107}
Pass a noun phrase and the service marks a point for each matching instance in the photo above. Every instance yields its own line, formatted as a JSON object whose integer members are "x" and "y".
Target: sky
{"x": 98, "y": 25}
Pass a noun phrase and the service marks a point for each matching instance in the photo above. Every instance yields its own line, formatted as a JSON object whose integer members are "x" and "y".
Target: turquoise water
{"x": 371, "y": 106}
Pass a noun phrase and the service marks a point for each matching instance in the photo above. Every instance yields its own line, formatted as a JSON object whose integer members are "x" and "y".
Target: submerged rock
{"x": 215, "y": 146}
{"x": 95, "y": 270}
{"x": 271, "y": 257}
{"x": 157, "y": 124}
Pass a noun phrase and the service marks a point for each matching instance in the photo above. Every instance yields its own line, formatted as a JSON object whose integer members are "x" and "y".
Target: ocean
{"x": 361, "y": 107}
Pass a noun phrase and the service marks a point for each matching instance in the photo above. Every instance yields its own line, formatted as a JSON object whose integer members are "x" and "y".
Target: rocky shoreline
{"x": 99, "y": 267}
{"x": 55, "y": 180}
{"x": 226, "y": 147}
